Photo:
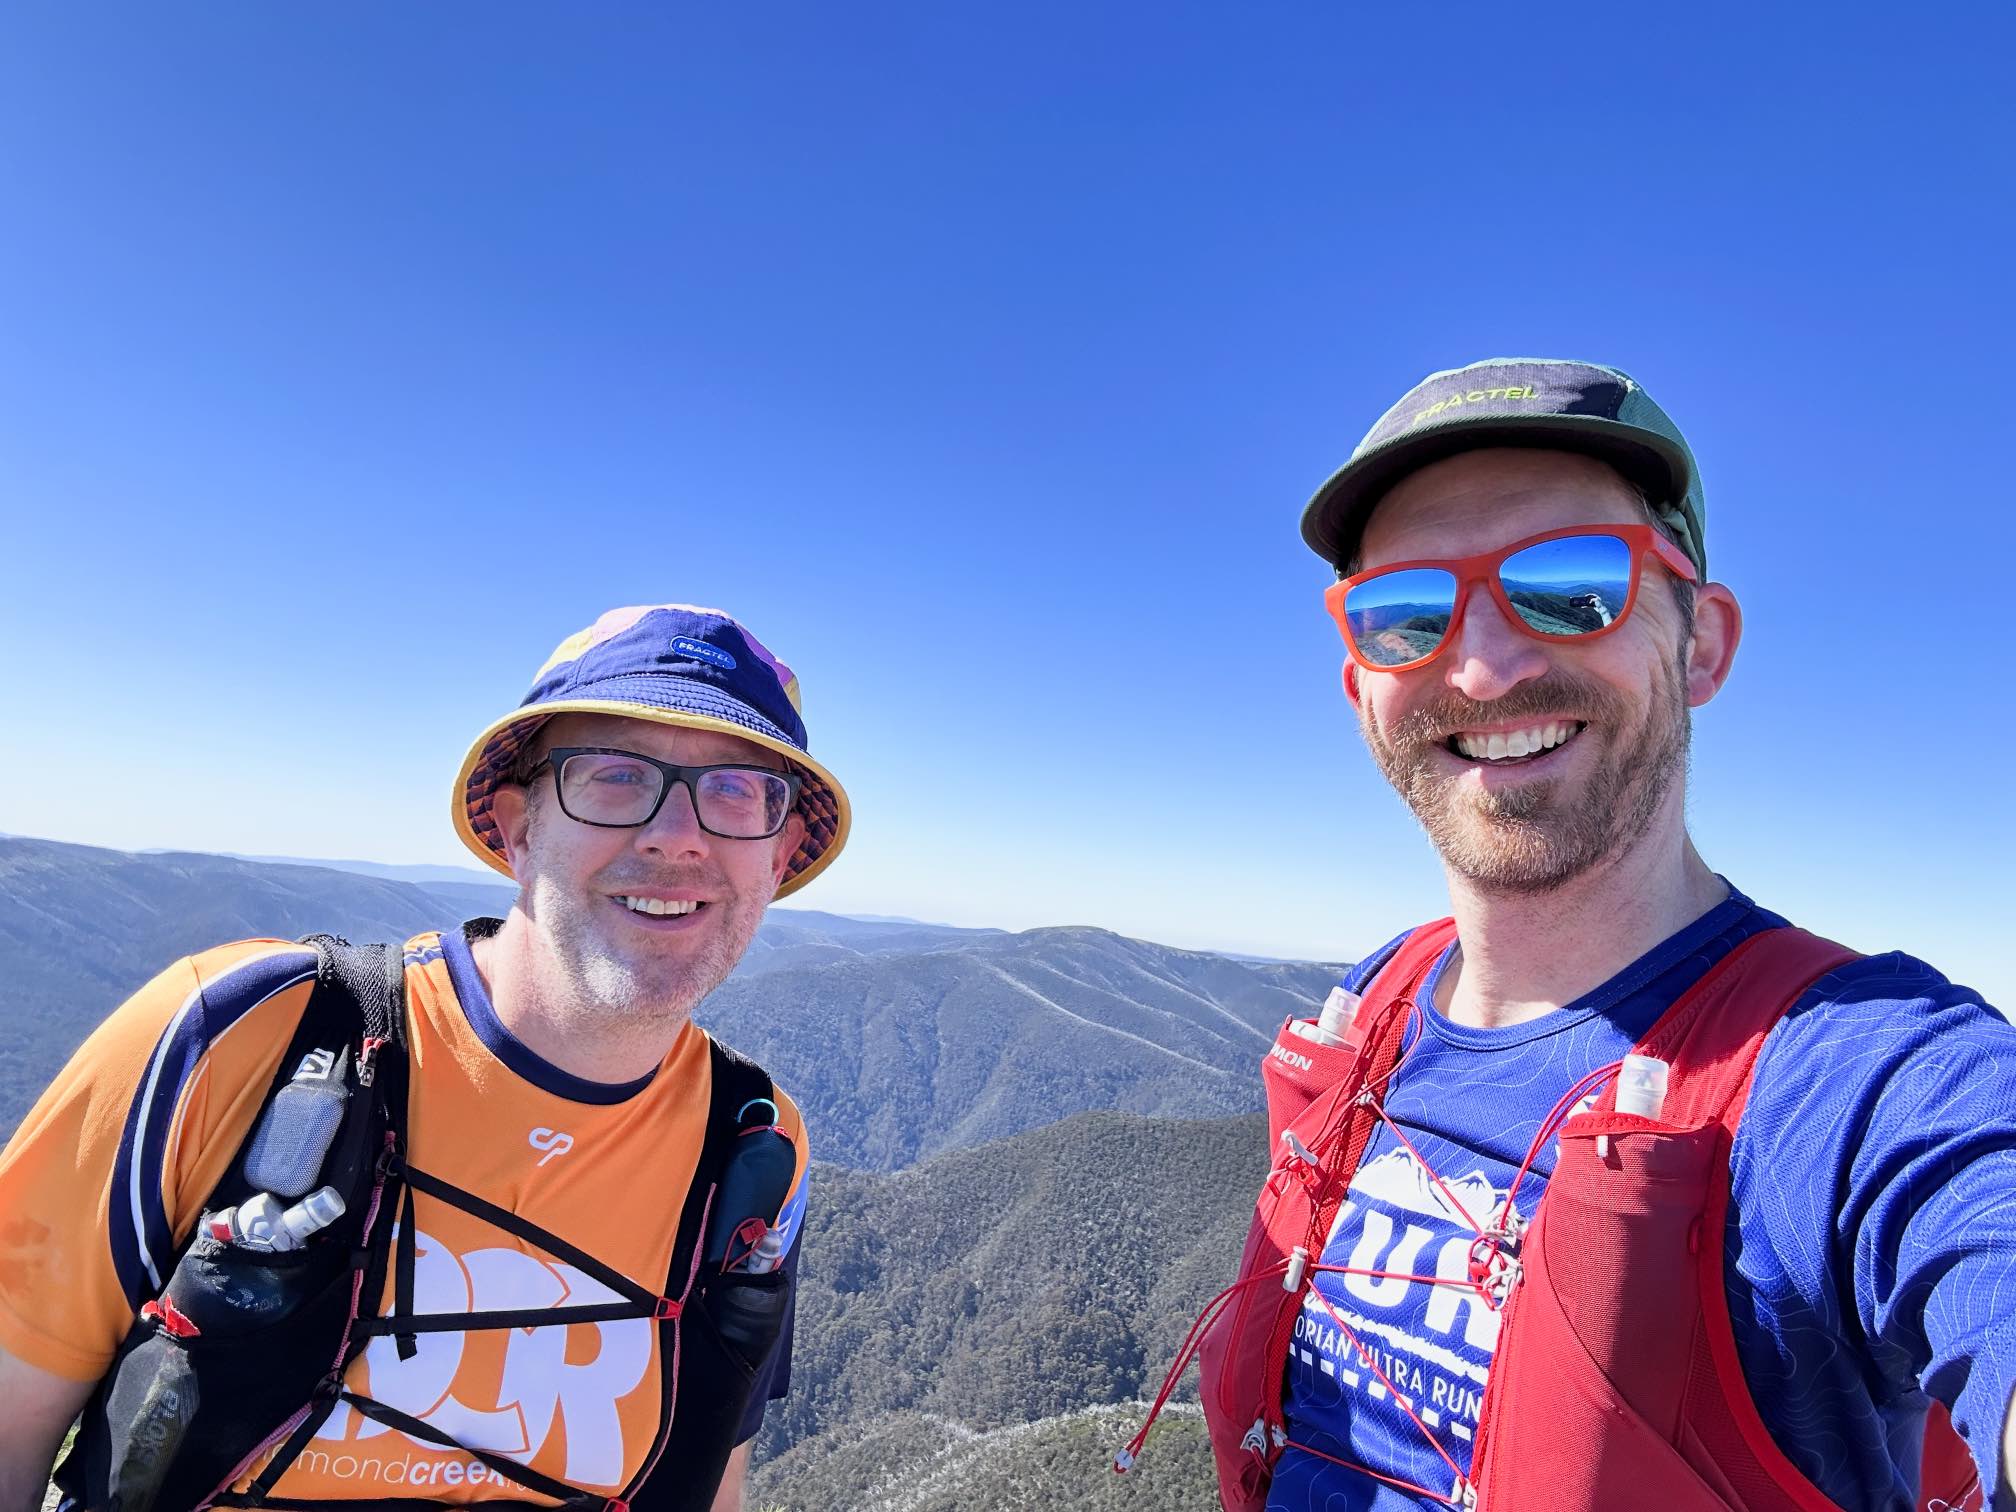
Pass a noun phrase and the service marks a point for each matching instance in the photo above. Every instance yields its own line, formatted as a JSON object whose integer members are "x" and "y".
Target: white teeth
{"x": 657, "y": 907}
{"x": 1528, "y": 742}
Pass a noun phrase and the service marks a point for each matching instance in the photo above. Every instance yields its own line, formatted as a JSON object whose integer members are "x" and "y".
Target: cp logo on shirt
{"x": 512, "y": 1410}
{"x": 552, "y": 1141}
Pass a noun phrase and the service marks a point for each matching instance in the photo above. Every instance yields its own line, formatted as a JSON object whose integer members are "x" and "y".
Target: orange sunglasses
{"x": 1563, "y": 585}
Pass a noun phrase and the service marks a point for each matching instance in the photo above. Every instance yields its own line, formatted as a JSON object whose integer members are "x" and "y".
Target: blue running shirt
{"x": 1872, "y": 1242}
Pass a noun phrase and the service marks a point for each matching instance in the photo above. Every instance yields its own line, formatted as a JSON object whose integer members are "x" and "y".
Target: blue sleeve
{"x": 773, "y": 1381}
{"x": 1873, "y": 1252}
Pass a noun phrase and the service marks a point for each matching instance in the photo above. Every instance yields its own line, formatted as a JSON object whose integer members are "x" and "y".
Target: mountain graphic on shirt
{"x": 1399, "y": 1180}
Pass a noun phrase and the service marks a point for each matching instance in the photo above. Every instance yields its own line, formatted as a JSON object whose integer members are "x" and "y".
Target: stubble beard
{"x": 637, "y": 989}
{"x": 1542, "y": 834}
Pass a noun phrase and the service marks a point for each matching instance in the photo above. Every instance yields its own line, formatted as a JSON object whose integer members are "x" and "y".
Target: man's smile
{"x": 1522, "y": 744}
{"x": 659, "y": 912}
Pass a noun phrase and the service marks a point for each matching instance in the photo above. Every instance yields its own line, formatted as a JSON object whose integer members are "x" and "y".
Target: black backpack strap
{"x": 360, "y": 1000}
{"x": 373, "y": 979}
{"x": 252, "y": 1386}
{"x": 736, "y": 1083}
{"x": 708, "y": 1394}
{"x": 360, "y": 997}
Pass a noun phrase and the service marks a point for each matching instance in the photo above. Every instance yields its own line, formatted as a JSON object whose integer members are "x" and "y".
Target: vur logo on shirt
{"x": 552, "y": 1141}
{"x": 1432, "y": 1342}
{"x": 543, "y": 1388}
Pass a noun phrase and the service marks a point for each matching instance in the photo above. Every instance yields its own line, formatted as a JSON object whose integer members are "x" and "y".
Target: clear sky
{"x": 981, "y": 359}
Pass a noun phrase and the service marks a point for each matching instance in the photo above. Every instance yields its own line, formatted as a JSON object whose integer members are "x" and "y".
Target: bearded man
{"x": 1613, "y": 1190}
{"x": 492, "y": 1220}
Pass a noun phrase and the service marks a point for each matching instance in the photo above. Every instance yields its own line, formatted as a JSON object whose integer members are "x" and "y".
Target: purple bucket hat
{"x": 672, "y": 664}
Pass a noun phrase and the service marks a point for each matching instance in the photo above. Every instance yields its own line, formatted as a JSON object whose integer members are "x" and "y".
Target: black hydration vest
{"x": 246, "y": 1351}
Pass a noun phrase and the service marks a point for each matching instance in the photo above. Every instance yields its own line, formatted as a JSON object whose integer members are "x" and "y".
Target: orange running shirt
{"x": 104, "y": 1180}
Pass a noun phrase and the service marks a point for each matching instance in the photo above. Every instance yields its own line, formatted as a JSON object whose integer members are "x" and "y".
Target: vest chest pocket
{"x": 1586, "y": 1395}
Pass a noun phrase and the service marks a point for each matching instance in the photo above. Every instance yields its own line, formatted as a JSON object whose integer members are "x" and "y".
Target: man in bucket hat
{"x": 1500, "y": 1261}
{"x": 582, "y": 1203}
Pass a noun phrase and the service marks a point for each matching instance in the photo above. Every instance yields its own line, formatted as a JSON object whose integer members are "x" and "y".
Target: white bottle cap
{"x": 1641, "y": 1086}
{"x": 1338, "y": 1010}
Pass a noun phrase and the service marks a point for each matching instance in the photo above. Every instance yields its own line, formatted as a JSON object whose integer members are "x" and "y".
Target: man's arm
{"x": 727, "y": 1499}
{"x": 1880, "y": 1119}
{"x": 39, "y": 1407}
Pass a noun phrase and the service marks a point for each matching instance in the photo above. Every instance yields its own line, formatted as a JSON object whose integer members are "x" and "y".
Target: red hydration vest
{"x": 1615, "y": 1382}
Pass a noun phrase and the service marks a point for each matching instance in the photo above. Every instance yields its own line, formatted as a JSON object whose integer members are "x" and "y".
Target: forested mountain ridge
{"x": 907, "y": 1055}
{"x": 1020, "y": 1282}
{"x": 915, "y": 1462}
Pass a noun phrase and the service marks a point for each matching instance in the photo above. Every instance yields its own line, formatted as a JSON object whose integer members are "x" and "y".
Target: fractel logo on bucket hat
{"x": 676, "y": 664}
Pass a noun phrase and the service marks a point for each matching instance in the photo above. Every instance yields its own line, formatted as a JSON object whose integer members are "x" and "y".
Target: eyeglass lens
{"x": 1400, "y": 617}
{"x": 739, "y": 803}
{"x": 1571, "y": 585}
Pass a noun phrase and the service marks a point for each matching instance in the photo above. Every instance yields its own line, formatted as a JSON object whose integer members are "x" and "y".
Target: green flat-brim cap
{"x": 1514, "y": 401}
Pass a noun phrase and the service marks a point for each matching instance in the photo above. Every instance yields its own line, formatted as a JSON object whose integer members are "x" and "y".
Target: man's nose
{"x": 1489, "y": 656}
{"x": 675, "y": 829}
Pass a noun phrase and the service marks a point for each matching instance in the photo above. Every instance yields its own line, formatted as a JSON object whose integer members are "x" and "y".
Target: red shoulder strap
{"x": 1711, "y": 1036}
{"x": 1401, "y": 977}
{"x": 1297, "y": 1073}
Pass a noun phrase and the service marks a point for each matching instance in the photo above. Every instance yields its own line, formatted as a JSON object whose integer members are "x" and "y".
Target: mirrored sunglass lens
{"x": 743, "y": 802}
{"x": 1573, "y": 585}
{"x": 607, "y": 789}
{"x": 1400, "y": 617}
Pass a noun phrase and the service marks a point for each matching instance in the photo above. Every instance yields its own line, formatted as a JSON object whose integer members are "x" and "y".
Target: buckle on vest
{"x": 1494, "y": 1255}
{"x": 367, "y": 1058}
{"x": 1255, "y": 1441}
{"x": 1299, "y": 1164}
{"x": 1299, "y": 1154}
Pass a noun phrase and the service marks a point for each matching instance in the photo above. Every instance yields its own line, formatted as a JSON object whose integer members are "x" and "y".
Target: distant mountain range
{"x": 900, "y": 1040}
{"x": 911, "y": 1046}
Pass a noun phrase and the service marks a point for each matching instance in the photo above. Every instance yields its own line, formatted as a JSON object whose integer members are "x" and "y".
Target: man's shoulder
{"x": 1895, "y": 988}
{"x": 1879, "y": 1017}
{"x": 193, "y": 999}
{"x": 249, "y": 966}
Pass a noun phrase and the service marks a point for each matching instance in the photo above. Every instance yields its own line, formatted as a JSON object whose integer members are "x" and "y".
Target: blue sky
{"x": 982, "y": 361}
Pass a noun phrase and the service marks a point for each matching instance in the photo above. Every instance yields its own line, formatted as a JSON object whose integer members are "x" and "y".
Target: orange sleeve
{"x": 103, "y": 1180}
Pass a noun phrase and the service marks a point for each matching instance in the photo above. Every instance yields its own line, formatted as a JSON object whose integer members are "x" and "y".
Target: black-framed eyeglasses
{"x": 622, "y": 790}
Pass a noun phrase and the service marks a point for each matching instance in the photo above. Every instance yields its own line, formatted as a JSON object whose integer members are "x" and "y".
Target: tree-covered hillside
{"x": 1012, "y": 1284}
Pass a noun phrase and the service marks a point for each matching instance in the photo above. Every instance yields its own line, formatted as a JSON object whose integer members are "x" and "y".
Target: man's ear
{"x": 1718, "y": 628}
{"x": 1351, "y": 681}
{"x": 510, "y": 806}
{"x": 789, "y": 839}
